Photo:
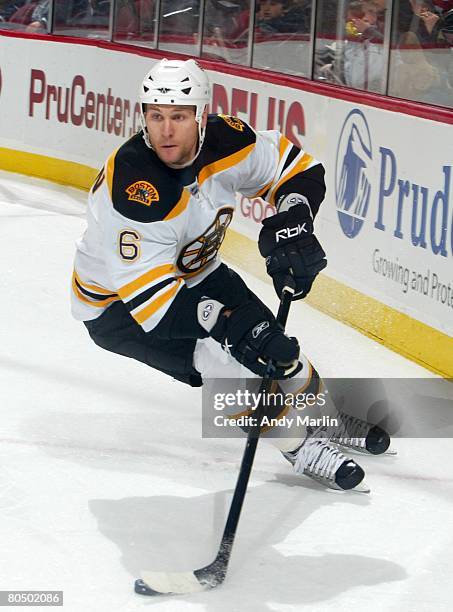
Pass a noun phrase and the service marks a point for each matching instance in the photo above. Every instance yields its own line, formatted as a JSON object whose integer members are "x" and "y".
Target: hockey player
{"x": 148, "y": 282}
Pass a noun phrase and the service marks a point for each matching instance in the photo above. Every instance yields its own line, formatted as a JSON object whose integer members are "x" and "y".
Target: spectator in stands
{"x": 418, "y": 17}
{"x": 357, "y": 60}
{"x": 362, "y": 21}
{"x": 284, "y": 16}
{"x": 428, "y": 15}
{"x": 127, "y": 18}
{"x": 19, "y": 12}
{"x": 413, "y": 76}
{"x": 226, "y": 19}
{"x": 35, "y": 15}
{"x": 443, "y": 6}
{"x": 145, "y": 11}
{"x": 134, "y": 19}
{"x": 445, "y": 54}
{"x": 270, "y": 14}
{"x": 445, "y": 29}
{"x": 9, "y": 7}
{"x": 363, "y": 48}
{"x": 40, "y": 17}
{"x": 94, "y": 13}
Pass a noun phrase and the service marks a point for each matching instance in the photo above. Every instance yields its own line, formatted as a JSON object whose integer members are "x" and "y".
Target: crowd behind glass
{"x": 402, "y": 48}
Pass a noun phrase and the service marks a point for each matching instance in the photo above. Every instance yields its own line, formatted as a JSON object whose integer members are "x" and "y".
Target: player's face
{"x": 173, "y": 132}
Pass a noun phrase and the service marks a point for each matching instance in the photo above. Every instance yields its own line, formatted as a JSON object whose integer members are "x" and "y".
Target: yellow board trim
{"x": 415, "y": 340}
{"x": 50, "y": 168}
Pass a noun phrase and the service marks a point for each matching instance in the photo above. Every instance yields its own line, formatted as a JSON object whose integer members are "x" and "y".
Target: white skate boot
{"x": 360, "y": 436}
{"x": 316, "y": 458}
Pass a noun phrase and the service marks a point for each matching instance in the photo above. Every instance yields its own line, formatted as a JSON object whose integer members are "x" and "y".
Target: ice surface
{"x": 104, "y": 471}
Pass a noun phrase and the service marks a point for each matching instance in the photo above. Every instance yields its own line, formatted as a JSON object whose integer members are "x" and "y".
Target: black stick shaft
{"x": 229, "y": 533}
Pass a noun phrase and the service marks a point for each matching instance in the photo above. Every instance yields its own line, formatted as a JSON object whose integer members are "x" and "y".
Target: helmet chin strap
{"x": 201, "y": 134}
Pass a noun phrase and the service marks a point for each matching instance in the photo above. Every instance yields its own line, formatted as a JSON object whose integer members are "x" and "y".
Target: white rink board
{"x": 395, "y": 159}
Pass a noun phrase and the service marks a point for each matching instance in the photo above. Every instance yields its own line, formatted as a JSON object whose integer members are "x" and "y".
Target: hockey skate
{"x": 316, "y": 458}
{"x": 360, "y": 436}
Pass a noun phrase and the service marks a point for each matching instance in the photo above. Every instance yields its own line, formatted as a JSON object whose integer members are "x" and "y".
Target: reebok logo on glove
{"x": 290, "y": 232}
{"x": 259, "y": 328}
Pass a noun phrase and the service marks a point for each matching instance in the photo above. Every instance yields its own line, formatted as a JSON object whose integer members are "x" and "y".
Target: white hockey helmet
{"x": 182, "y": 83}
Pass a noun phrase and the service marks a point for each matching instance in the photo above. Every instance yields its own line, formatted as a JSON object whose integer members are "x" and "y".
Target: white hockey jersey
{"x": 153, "y": 230}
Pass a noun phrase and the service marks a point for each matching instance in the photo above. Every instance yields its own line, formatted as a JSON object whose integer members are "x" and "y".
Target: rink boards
{"x": 386, "y": 224}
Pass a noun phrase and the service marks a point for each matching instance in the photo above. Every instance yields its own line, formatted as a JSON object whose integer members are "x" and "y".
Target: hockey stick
{"x": 212, "y": 575}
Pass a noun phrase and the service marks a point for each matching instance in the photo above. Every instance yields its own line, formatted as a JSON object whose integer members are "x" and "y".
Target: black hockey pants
{"x": 115, "y": 330}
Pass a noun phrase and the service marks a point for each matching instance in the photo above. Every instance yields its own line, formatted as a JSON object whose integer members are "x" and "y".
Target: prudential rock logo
{"x": 352, "y": 173}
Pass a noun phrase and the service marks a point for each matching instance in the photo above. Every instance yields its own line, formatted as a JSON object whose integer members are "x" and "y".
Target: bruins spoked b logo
{"x": 197, "y": 254}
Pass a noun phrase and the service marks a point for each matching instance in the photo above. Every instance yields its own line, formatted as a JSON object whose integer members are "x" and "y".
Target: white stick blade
{"x": 172, "y": 583}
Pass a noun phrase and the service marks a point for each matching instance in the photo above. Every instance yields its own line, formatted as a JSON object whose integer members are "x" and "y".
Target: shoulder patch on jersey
{"x": 233, "y": 122}
{"x": 142, "y": 192}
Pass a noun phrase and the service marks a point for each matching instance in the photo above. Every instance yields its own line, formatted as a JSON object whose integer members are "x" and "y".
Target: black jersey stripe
{"x": 146, "y": 295}
{"x": 291, "y": 157}
{"x": 94, "y": 296}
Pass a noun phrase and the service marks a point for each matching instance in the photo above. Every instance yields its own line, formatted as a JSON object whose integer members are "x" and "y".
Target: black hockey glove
{"x": 289, "y": 246}
{"x": 251, "y": 335}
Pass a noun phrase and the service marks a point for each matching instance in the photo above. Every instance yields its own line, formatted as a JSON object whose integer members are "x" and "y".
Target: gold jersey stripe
{"x": 223, "y": 164}
{"x": 284, "y": 143}
{"x": 199, "y": 271}
{"x": 128, "y": 289}
{"x": 259, "y": 193}
{"x": 95, "y": 303}
{"x": 180, "y": 206}
{"x": 94, "y": 288}
{"x": 152, "y": 308}
{"x": 301, "y": 166}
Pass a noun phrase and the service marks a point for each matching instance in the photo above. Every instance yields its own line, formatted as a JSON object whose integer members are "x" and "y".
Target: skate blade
{"x": 362, "y": 487}
{"x": 391, "y": 451}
